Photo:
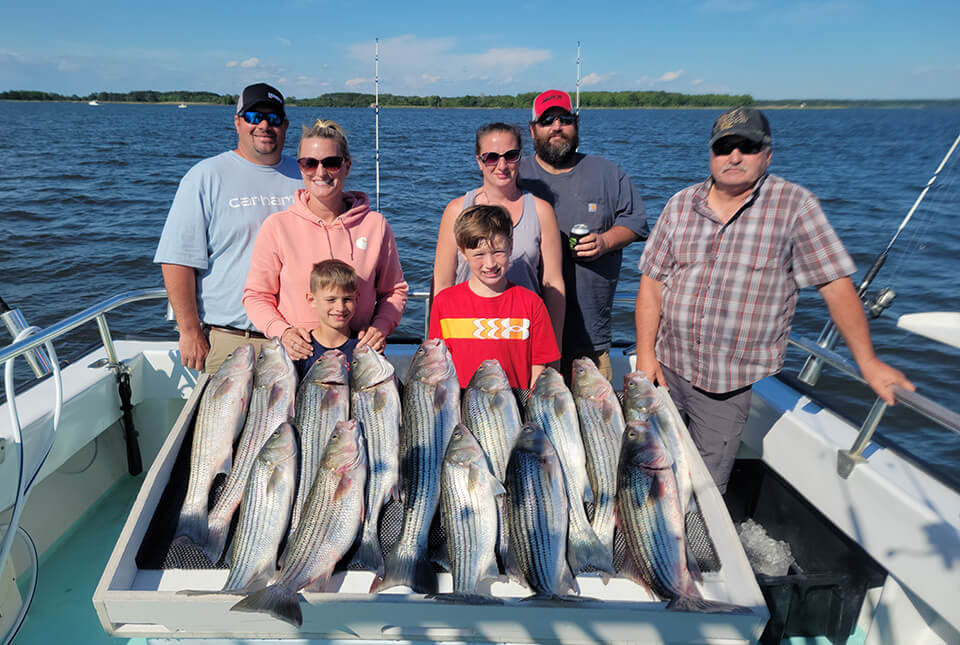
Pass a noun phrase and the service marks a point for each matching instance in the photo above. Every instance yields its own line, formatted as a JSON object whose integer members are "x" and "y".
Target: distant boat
{"x": 182, "y": 105}
{"x": 93, "y": 102}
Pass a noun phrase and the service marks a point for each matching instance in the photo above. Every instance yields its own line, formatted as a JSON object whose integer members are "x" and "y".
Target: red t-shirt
{"x": 513, "y": 328}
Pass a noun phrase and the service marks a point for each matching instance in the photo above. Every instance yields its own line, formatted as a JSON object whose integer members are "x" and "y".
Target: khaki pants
{"x": 222, "y": 345}
{"x": 601, "y": 359}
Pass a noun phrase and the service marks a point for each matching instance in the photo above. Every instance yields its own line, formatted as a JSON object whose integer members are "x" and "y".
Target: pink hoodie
{"x": 290, "y": 242}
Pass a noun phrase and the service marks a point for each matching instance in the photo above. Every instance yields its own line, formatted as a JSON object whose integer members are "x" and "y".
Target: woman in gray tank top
{"x": 536, "y": 259}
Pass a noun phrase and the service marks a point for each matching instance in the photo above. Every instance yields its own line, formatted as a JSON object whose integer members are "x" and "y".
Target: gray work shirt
{"x": 599, "y": 194}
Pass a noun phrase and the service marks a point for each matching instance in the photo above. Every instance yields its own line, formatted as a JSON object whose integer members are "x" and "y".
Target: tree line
{"x": 358, "y": 99}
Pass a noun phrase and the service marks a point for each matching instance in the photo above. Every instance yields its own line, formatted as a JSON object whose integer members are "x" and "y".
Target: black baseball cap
{"x": 743, "y": 121}
{"x": 259, "y": 94}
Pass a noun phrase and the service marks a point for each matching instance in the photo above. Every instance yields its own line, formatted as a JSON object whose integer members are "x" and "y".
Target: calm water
{"x": 85, "y": 191}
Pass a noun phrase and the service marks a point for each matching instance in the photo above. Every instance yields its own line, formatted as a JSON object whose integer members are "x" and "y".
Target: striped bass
{"x": 640, "y": 399}
{"x": 538, "y": 516}
{"x": 271, "y": 403}
{"x": 468, "y": 502}
{"x": 323, "y": 400}
{"x": 490, "y": 410}
{"x": 650, "y": 517}
{"x": 431, "y": 409}
{"x": 264, "y": 513}
{"x": 331, "y": 521}
{"x": 375, "y": 403}
{"x": 601, "y": 427}
{"x": 220, "y": 417}
{"x": 551, "y": 408}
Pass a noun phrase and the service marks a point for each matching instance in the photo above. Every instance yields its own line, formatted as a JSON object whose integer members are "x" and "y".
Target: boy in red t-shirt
{"x": 487, "y": 316}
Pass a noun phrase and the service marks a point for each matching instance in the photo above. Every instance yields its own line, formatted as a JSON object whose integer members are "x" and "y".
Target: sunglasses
{"x": 310, "y": 164}
{"x": 493, "y": 158}
{"x": 723, "y": 147}
{"x": 253, "y": 117}
{"x": 564, "y": 119}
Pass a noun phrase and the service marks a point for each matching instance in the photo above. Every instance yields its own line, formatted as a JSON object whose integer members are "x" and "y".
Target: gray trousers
{"x": 715, "y": 422}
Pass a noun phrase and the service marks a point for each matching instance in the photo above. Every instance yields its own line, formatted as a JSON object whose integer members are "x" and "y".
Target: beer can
{"x": 578, "y": 231}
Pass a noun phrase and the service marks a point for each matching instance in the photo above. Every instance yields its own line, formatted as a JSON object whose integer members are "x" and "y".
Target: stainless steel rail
{"x": 94, "y": 312}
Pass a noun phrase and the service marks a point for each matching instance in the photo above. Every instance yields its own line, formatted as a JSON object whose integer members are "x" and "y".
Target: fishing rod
{"x": 829, "y": 336}
{"x": 376, "y": 111}
{"x": 578, "y": 78}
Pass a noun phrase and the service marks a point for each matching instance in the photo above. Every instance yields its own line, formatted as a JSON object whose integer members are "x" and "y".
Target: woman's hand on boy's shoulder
{"x": 373, "y": 337}
{"x": 296, "y": 341}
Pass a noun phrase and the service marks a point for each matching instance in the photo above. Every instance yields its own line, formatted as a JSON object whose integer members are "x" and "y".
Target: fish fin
{"x": 587, "y": 492}
{"x": 277, "y": 392}
{"x": 589, "y": 553}
{"x": 320, "y": 583}
{"x": 275, "y": 600}
{"x": 193, "y": 526}
{"x": 512, "y": 567}
{"x": 216, "y": 540}
{"x": 414, "y": 572}
{"x": 369, "y": 557}
{"x": 259, "y": 579}
{"x": 568, "y": 582}
{"x": 440, "y": 395}
{"x": 493, "y": 570}
{"x": 469, "y": 598}
{"x": 700, "y": 605}
{"x": 631, "y": 571}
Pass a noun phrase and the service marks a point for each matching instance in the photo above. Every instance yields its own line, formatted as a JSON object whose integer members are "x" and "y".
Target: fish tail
{"x": 276, "y": 600}
{"x": 586, "y": 551}
{"x": 216, "y": 540}
{"x": 409, "y": 570}
{"x": 682, "y": 602}
{"x": 369, "y": 556}
{"x": 193, "y": 525}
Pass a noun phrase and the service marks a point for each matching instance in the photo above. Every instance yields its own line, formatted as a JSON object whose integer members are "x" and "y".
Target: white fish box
{"x": 133, "y": 602}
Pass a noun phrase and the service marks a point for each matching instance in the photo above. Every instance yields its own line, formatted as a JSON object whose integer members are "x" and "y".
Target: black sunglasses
{"x": 493, "y": 158}
{"x": 309, "y": 164}
{"x": 726, "y": 145}
{"x": 548, "y": 119}
{"x": 253, "y": 117}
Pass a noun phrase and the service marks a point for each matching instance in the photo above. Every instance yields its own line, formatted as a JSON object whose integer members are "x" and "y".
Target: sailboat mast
{"x": 578, "y": 77}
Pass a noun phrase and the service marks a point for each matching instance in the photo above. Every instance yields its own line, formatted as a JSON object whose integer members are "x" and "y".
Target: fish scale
{"x": 264, "y": 512}
{"x": 323, "y": 400}
{"x": 271, "y": 403}
{"x": 331, "y": 521}
{"x": 220, "y": 418}
{"x": 538, "y": 515}
{"x": 375, "y": 403}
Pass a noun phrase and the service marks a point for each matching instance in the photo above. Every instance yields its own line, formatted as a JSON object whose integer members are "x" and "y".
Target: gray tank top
{"x": 525, "y": 259}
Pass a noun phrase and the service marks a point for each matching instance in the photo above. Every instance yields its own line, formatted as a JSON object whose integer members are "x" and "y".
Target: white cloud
{"x": 232, "y": 63}
{"x": 250, "y": 62}
{"x": 409, "y": 63}
{"x": 696, "y": 81}
{"x": 671, "y": 76}
{"x": 355, "y": 82}
{"x": 593, "y": 78}
{"x": 286, "y": 42}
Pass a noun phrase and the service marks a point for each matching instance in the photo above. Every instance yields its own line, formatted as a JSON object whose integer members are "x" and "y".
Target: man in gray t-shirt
{"x": 583, "y": 189}
{"x": 205, "y": 246}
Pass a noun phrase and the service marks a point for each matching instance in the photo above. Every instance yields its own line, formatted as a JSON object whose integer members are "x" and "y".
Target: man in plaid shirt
{"x": 721, "y": 272}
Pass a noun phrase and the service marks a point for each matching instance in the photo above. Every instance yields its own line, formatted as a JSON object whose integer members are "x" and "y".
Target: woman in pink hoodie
{"x": 324, "y": 223}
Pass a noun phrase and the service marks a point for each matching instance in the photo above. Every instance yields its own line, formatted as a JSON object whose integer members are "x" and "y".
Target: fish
{"x": 431, "y": 410}
{"x": 220, "y": 417}
{"x": 650, "y": 517}
{"x": 323, "y": 400}
{"x": 332, "y": 516}
{"x": 375, "y": 403}
{"x": 468, "y": 503}
{"x": 601, "y": 428}
{"x": 536, "y": 503}
{"x": 551, "y": 407}
{"x": 641, "y": 398}
{"x": 489, "y": 408}
{"x": 271, "y": 403}
{"x": 264, "y": 512}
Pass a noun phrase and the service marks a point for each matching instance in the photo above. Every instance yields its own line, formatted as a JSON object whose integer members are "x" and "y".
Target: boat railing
{"x": 847, "y": 459}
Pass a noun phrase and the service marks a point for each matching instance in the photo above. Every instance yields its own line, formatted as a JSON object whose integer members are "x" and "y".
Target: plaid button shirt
{"x": 730, "y": 290}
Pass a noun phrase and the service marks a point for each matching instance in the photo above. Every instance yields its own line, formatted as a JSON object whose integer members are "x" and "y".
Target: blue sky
{"x": 767, "y": 48}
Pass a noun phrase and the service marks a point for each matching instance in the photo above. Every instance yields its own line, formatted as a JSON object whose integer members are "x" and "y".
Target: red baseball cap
{"x": 551, "y": 99}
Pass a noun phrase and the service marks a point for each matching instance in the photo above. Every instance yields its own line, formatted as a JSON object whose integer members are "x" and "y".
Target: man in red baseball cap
{"x": 583, "y": 190}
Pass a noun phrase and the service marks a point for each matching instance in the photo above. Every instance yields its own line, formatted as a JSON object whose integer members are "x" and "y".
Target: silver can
{"x": 577, "y": 232}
